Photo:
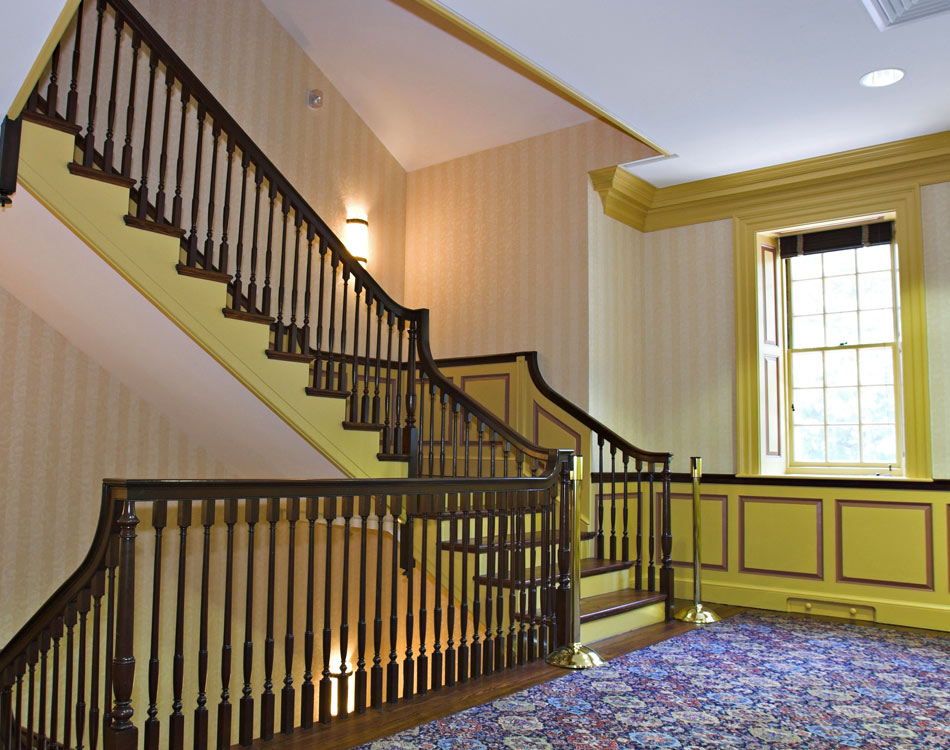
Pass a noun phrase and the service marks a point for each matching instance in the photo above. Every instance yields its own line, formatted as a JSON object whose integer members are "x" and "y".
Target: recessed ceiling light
{"x": 882, "y": 77}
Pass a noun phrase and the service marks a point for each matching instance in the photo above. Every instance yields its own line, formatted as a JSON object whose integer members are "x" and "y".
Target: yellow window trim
{"x": 850, "y": 200}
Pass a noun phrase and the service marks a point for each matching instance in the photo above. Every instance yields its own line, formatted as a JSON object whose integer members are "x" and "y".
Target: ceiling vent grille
{"x": 887, "y": 13}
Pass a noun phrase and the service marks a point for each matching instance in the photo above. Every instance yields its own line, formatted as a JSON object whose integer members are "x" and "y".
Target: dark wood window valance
{"x": 842, "y": 238}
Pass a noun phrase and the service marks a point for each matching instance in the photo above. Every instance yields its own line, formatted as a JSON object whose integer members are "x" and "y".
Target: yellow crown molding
{"x": 914, "y": 161}
{"x": 481, "y": 39}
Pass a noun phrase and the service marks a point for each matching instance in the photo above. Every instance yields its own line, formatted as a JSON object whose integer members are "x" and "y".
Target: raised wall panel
{"x": 548, "y": 430}
{"x": 781, "y": 536}
{"x": 714, "y": 539}
{"x": 885, "y": 543}
{"x": 492, "y": 391}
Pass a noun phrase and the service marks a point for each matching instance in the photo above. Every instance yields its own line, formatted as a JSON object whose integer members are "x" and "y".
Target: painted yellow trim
{"x": 532, "y": 70}
{"x": 93, "y": 210}
{"x": 43, "y": 57}
{"x": 918, "y": 161}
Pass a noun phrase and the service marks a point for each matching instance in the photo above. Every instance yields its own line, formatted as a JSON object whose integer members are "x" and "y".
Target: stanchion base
{"x": 698, "y": 614}
{"x": 575, "y": 656}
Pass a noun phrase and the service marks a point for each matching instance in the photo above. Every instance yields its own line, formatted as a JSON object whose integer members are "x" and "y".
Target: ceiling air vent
{"x": 887, "y": 13}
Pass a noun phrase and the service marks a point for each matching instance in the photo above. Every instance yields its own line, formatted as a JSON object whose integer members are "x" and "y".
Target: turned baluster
{"x": 208, "y": 251}
{"x": 252, "y": 508}
{"x": 306, "y": 689}
{"x": 224, "y": 705}
{"x": 279, "y": 326}
{"x": 318, "y": 353}
{"x": 613, "y": 502}
{"x": 108, "y": 146}
{"x": 398, "y": 445}
{"x": 72, "y": 98}
{"x": 374, "y": 417}
{"x": 269, "y": 253}
{"x": 354, "y": 400}
{"x": 252, "y": 284}
{"x": 152, "y": 724}
{"x": 89, "y": 144}
{"x": 651, "y": 501}
{"x": 387, "y": 429}
{"x": 326, "y": 683}
{"x": 666, "y": 571}
{"x": 267, "y": 696}
{"x": 601, "y": 547}
{"x": 237, "y": 283}
{"x": 365, "y": 404}
{"x": 437, "y": 609}
{"x": 224, "y": 248}
{"x": 287, "y": 693}
{"x": 376, "y": 673}
{"x": 293, "y": 334}
{"x": 341, "y": 365}
{"x": 331, "y": 327}
{"x": 638, "y": 566}
{"x": 176, "y": 722}
{"x": 130, "y": 109}
{"x": 163, "y": 157}
{"x": 392, "y": 668}
{"x": 98, "y": 590}
{"x": 343, "y": 681}
{"x": 305, "y": 331}
{"x": 422, "y": 660}
{"x": 44, "y": 645}
{"x": 180, "y": 161}
{"x": 360, "y": 676}
{"x": 201, "y": 707}
{"x": 146, "y": 143}
{"x": 408, "y": 665}
{"x": 52, "y": 90}
{"x": 192, "y": 258}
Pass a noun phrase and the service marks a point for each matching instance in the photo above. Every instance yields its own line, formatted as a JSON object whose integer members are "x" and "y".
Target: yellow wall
{"x": 67, "y": 424}
{"x": 935, "y": 211}
{"x": 496, "y": 247}
{"x": 258, "y": 72}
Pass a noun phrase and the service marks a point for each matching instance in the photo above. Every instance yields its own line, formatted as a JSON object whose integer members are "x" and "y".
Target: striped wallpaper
{"x": 68, "y": 423}
{"x": 935, "y": 211}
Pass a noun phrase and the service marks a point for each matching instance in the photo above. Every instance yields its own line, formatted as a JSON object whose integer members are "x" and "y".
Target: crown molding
{"x": 915, "y": 161}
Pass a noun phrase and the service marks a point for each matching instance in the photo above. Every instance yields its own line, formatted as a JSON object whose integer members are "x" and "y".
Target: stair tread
{"x": 393, "y": 456}
{"x": 153, "y": 226}
{"x": 250, "y": 317}
{"x": 617, "y": 602}
{"x": 368, "y": 426}
{"x": 289, "y": 356}
{"x": 590, "y": 566}
{"x": 202, "y": 273}
{"x": 112, "y": 178}
{"x": 327, "y": 393}
{"x": 531, "y": 540}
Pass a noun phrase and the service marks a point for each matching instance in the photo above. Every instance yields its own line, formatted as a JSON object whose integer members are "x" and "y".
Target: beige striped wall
{"x": 261, "y": 76}
{"x": 496, "y": 247}
{"x": 935, "y": 213}
{"x": 67, "y": 424}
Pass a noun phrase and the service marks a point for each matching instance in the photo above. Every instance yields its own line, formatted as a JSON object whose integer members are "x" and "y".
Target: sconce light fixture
{"x": 357, "y": 239}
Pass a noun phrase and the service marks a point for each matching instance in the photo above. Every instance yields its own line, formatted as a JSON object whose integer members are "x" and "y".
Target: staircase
{"x": 447, "y": 504}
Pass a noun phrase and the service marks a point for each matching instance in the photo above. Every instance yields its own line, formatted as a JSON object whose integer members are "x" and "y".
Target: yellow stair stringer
{"x": 94, "y": 211}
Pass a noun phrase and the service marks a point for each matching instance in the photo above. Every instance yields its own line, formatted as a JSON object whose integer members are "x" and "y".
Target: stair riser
{"x": 607, "y": 627}
{"x": 603, "y": 583}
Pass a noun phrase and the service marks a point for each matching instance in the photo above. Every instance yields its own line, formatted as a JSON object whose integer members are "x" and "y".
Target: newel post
{"x": 666, "y": 544}
{"x": 565, "y": 593}
{"x": 121, "y": 733}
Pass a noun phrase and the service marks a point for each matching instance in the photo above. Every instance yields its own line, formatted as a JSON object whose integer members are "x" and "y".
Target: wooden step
{"x": 249, "y": 317}
{"x": 393, "y": 456}
{"x": 617, "y": 602}
{"x": 326, "y": 392}
{"x": 153, "y": 226}
{"x": 367, "y": 426}
{"x": 113, "y": 178}
{"x": 590, "y": 566}
{"x": 202, "y": 273}
{"x": 51, "y": 122}
{"x": 289, "y": 356}
{"x": 531, "y": 540}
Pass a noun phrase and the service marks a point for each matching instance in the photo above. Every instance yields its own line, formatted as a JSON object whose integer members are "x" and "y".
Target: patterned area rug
{"x": 751, "y": 681}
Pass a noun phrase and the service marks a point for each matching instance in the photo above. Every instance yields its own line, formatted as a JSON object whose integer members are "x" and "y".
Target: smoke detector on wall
{"x": 887, "y": 13}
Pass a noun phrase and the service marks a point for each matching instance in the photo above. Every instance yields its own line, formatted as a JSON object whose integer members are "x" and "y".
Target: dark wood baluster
{"x": 319, "y": 354}
{"x": 180, "y": 161}
{"x": 130, "y": 109}
{"x": 397, "y": 445}
{"x": 360, "y": 676}
{"x": 625, "y": 542}
{"x": 56, "y": 634}
{"x": 437, "y": 610}
{"x": 224, "y": 248}
{"x": 152, "y": 724}
{"x": 108, "y": 146}
{"x": 267, "y": 696}
{"x": 98, "y": 589}
{"x": 7, "y": 733}
{"x": 451, "y": 657}
{"x": 420, "y": 437}
{"x": 305, "y": 331}
{"x": 444, "y": 402}
{"x": 374, "y": 418}
{"x": 376, "y": 673}
{"x": 52, "y": 90}
{"x": 192, "y": 259}
{"x": 147, "y": 142}
{"x": 208, "y": 252}
{"x": 613, "y": 502}
{"x": 341, "y": 366}
{"x": 288, "y": 695}
{"x": 422, "y": 660}
{"x": 366, "y": 404}
{"x": 532, "y": 534}
{"x": 354, "y": 405}
{"x": 666, "y": 571}
{"x": 72, "y": 98}
{"x": 601, "y": 547}
{"x": 326, "y": 682}
{"x": 89, "y": 145}
{"x": 293, "y": 335}
{"x": 544, "y": 631}
{"x": 163, "y": 156}
{"x": 651, "y": 570}
{"x": 523, "y": 593}
{"x": 392, "y": 668}
{"x": 201, "y": 709}
{"x": 31, "y": 659}
{"x": 515, "y": 580}
{"x": 479, "y": 508}
{"x": 18, "y": 719}
{"x": 70, "y": 622}
{"x": 331, "y": 326}
{"x": 505, "y": 577}
{"x": 176, "y": 722}
{"x": 488, "y": 661}
{"x": 306, "y": 689}
{"x": 410, "y": 429}
{"x": 42, "y": 739}
{"x": 638, "y": 566}
{"x": 237, "y": 283}
{"x": 252, "y": 284}
{"x": 269, "y": 253}
{"x": 84, "y": 605}
{"x": 387, "y": 428}
{"x": 224, "y": 705}
{"x": 465, "y": 503}
{"x": 408, "y": 665}
{"x": 343, "y": 681}
{"x": 121, "y": 733}
{"x": 252, "y": 509}
{"x": 280, "y": 329}
{"x": 111, "y": 565}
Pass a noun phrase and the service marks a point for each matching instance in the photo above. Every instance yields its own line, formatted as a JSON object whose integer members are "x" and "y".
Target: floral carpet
{"x": 750, "y": 681}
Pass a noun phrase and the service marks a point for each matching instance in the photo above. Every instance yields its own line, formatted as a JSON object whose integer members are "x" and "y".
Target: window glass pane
{"x": 838, "y": 262}
{"x": 879, "y": 443}
{"x": 841, "y": 367}
{"x": 877, "y": 404}
{"x": 806, "y": 297}
{"x": 806, "y": 370}
{"x": 875, "y": 290}
{"x": 809, "y": 443}
{"x": 805, "y": 267}
{"x": 841, "y": 405}
{"x": 841, "y": 329}
{"x": 874, "y": 258}
{"x": 843, "y": 445}
{"x": 877, "y": 326}
{"x": 809, "y": 405}
{"x": 840, "y": 294}
{"x": 877, "y": 366}
{"x": 808, "y": 331}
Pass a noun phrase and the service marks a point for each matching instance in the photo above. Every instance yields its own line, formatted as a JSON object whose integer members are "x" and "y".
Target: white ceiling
{"x": 727, "y": 86}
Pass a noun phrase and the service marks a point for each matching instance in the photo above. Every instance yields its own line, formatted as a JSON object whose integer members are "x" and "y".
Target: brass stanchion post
{"x": 575, "y": 655}
{"x": 697, "y": 613}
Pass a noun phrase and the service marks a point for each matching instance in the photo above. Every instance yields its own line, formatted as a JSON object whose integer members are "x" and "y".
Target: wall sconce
{"x": 357, "y": 239}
